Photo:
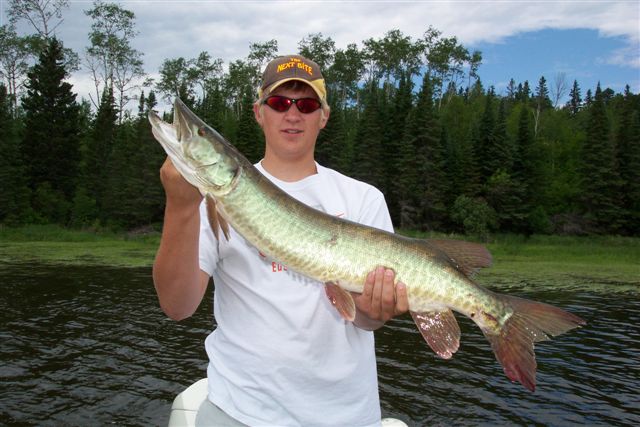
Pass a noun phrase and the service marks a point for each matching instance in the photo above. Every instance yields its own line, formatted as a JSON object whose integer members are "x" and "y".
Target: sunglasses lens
{"x": 307, "y": 105}
{"x": 279, "y": 103}
{"x": 282, "y": 104}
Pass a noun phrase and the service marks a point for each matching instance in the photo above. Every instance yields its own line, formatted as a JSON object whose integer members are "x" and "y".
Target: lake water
{"x": 89, "y": 345}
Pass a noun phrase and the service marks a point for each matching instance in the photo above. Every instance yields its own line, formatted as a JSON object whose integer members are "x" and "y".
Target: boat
{"x": 186, "y": 404}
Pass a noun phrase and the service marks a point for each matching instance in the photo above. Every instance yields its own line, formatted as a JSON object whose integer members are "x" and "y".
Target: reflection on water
{"x": 83, "y": 345}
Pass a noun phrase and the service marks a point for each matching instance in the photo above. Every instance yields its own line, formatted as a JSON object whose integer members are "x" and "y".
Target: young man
{"x": 281, "y": 354}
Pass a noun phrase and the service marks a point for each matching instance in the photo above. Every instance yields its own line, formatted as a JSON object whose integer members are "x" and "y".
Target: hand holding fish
{"x": 177, "y": 189}
{"x": 381, "y": 299}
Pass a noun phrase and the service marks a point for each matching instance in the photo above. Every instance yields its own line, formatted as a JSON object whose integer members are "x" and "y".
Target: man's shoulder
{"x": 346, "y": 181}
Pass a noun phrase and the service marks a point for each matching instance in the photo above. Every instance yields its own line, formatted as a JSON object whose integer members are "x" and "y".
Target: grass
{"x": 57, "y": 245}
{"x": 537, "y": 259}
{"x": 545, "y": 259}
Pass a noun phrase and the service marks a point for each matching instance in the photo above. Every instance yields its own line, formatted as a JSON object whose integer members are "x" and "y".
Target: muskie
{"x": 340, "y": 253}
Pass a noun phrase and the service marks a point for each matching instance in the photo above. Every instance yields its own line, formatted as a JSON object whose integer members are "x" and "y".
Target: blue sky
{"x": 588, "y": 40}
{"x": 581, "y": 54}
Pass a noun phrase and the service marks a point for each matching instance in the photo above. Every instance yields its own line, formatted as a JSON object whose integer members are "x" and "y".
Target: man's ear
{"x": 257, "y": 113}
{"x": 324, "y": 119}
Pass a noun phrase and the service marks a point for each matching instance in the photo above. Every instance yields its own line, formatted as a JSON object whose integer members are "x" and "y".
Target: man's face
{"x": 290, "y": 135}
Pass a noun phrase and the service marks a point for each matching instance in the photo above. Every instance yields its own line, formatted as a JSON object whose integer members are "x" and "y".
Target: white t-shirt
{"x": 281, "y": 355}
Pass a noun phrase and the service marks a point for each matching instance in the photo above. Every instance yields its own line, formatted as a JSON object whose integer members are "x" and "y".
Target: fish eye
{"x": 201, "y": 131}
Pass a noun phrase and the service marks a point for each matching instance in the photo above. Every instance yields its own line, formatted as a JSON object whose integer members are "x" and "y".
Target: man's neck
{"x": 289, "y": 170}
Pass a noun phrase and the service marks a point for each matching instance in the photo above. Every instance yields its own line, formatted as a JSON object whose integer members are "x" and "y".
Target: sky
{"x": 588, "y": 41}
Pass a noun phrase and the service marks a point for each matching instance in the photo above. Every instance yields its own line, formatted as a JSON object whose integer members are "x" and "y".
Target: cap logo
{"x": 297, "y": 63}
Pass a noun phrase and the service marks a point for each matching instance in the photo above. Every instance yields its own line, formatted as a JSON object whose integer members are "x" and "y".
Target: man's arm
{"x": 381, "y": 299}
{"x": 179, "y": 282}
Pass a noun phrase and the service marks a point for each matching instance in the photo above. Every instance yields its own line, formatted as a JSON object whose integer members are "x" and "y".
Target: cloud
{"x": 171, "y": 29}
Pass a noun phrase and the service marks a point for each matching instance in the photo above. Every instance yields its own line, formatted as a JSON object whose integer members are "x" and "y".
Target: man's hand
{"x": 177, "y": 189}
{"x": 381, "y": 299}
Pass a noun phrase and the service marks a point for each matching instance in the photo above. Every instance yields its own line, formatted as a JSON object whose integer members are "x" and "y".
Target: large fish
{"x": 340, "y": 253}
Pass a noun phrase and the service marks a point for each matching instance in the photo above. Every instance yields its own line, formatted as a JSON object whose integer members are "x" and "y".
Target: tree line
{"x": 411, "y": 117}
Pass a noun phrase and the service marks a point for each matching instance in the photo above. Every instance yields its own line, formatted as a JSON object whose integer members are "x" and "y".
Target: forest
{"x": 410, "y": 116}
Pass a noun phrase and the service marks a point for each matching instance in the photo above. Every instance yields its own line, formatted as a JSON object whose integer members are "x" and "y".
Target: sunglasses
{"x": 282, "y": 103}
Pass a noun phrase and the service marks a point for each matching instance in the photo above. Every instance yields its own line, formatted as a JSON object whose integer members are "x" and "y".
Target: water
{"x": 89, "y": 345}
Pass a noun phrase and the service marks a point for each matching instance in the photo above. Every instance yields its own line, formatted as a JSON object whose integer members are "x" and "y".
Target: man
{"x": 281, "y": 354}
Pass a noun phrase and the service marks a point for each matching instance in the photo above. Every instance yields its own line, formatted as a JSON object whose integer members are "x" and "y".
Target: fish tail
{"x": 530, "y": 322}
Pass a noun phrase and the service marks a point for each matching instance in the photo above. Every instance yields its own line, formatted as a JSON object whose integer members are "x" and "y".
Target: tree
{"x": 368, "y": 157}
{"x": 43, "y": 15}
{"x": 484, "y": 146}
{"x": 600, "y": 179}
{"x": 575, "y": 102}
{"x": 100, "y": 146}
{"x": 559, "y": 88}
{"x": 14, "y": 63}
{"x": 426, "y": 195}
{"x": 176, "y": 80}
{"x": 249, "y": 138}
{"x": 524, "y": 171}
{"x": 259, "y": 55}
{"x": 51, "y": 138}
{"x": 319, "y": 49}
{"x": 542, "y": 103}
{"x": 14, "y": 192}
{"x": 628, "y": 160}
{"x": 111, "y": 59}
{"x": 345, "y": 73}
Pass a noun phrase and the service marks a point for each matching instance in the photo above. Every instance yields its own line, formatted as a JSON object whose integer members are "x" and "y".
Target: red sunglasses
{"x": 282, "y": 103}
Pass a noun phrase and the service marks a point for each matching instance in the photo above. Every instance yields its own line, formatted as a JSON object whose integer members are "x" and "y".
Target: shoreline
{"x": 537, "y": 258}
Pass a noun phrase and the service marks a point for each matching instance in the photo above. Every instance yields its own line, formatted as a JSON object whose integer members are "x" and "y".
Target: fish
{"x": 438, "y": 273}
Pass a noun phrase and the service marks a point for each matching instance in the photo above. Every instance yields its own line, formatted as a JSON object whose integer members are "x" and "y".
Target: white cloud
{"x": 171, "y": 29}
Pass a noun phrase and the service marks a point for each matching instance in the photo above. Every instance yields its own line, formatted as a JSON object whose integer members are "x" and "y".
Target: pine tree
{"x": 52, "y": 136}
{"x": 575, "y": 102}
{"x": 100, "y": 145}
{"x": 523, "y": 172}
{"x": 249, "y": 138}
{"x": 628, "y": 160}
{"x": 400, "y": 108}
{"x": 542, "y": 95}
{"x": 367, "y": 157}
{"x": 14, "y": 192}
{"x": 484, "y": 143}
{"x": 331, "y": 147}
{"x": 427, "y": 195}
{"x": 599, "y": 176}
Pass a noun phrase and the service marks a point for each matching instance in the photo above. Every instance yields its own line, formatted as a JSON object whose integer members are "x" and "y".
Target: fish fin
{"x": 216, "y": 221}
{"x": 341, "y": 300}
{"x": 530, "y": 322}
{"x": 469, "y": 256}
{"x": 440, "y": 330}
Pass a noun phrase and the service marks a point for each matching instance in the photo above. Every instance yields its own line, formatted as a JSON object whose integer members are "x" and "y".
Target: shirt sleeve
{"x": 374, "y": 211}
{"x": 207, "y": 244}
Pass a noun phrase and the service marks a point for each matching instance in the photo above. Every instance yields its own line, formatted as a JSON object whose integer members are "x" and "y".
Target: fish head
{"x": 202, "y": 156}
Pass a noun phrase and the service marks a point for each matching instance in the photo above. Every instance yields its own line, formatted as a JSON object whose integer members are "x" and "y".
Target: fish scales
{"x": 338, "y": 252}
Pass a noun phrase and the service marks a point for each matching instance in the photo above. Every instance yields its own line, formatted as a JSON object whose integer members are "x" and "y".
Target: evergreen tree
{"x": 575, "y": 102}
{"x": 392, "y": 145}
{"x": 331, "y": 147}
{"x": 148, "y": 160}
{"x": 14, "y": 192}
{"x": 367, "y": 157}
{"x": 524, "y": 171}
{"x": 100, "y": 145}
{"x": 427, "y": 195}
{"x": 599, "y": 176}
{"x": 542, "y": 95}
{"x": 52, "y": 135}
{"x": 249, "y": 138}
{"x": 484, "y": 144}
{"x": 628, "y": 152}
